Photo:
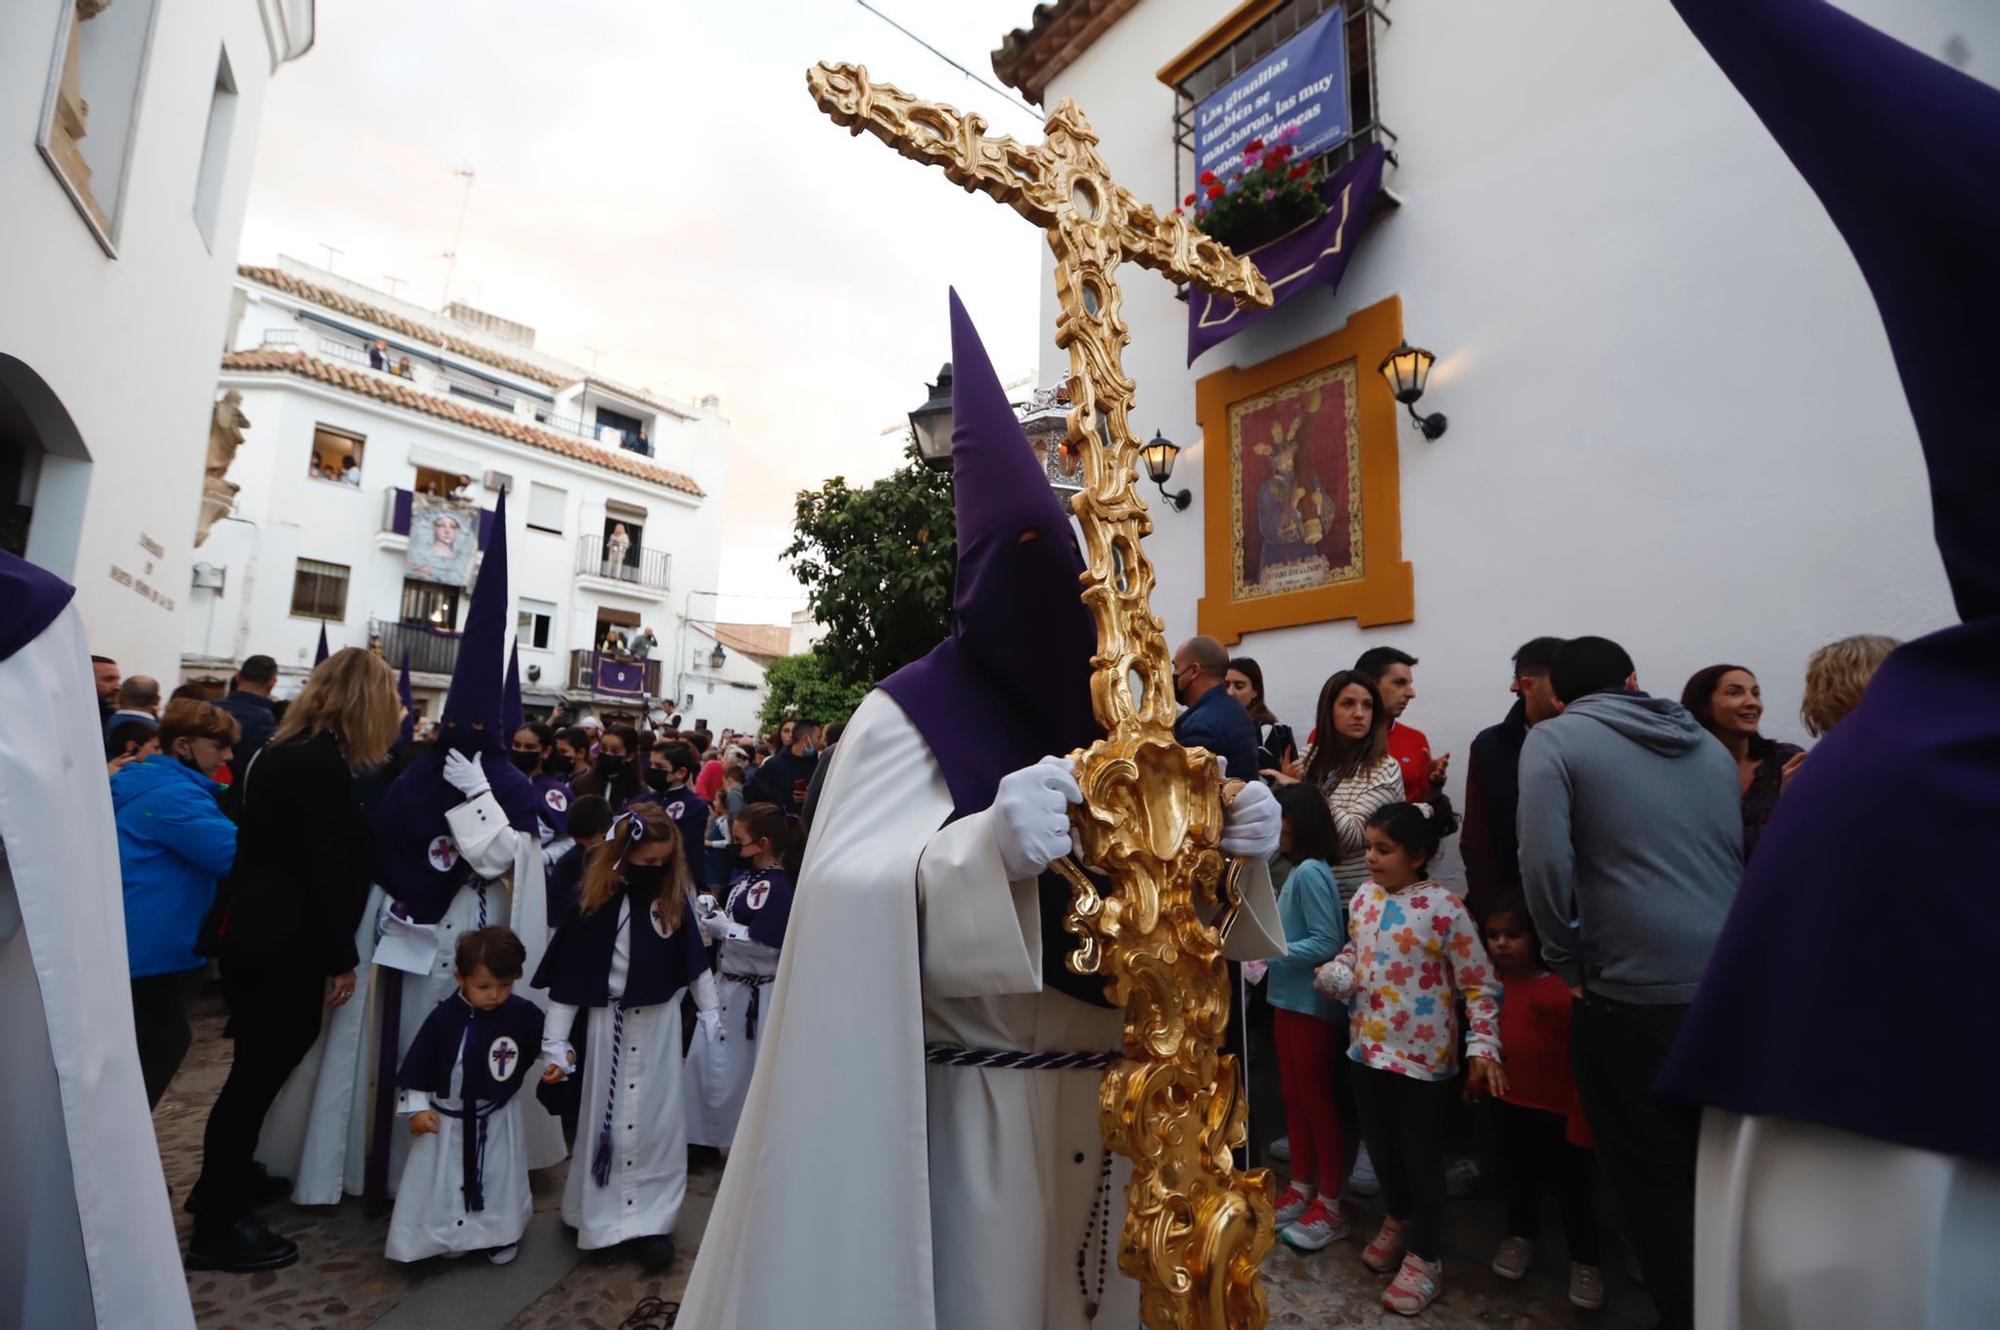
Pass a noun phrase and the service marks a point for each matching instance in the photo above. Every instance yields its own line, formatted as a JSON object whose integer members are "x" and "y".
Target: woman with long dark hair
{"x": 1275, "y": 745}
{"x": 283, "y": 927}
{"x": 1728, "y": 702}
{"x": 1350, "y": 764}
{"x": 618, "y": 773}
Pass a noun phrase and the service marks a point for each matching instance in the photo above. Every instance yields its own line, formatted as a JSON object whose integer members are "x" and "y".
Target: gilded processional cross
{"x": 1196, "y": 1229}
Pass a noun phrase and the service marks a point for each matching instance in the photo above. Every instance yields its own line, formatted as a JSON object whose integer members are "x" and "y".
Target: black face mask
{"x": 609, "y": 764}
{"x": 528, "y": 760}
{"x": 659, "y": 780}
{"x": 645, "y": 878}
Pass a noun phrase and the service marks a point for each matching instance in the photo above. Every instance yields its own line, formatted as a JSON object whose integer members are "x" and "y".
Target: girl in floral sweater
{"x": 1412, "y": 951}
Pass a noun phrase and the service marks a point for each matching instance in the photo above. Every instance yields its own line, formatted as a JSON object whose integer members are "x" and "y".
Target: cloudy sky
{"x": 655, "y": 185}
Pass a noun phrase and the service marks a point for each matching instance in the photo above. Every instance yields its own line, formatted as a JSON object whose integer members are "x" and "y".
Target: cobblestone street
{"x": 343, "y": 1282}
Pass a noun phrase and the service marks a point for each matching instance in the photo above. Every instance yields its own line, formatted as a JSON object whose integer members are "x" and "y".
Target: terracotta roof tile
{"x": 326, "y": 297}
{"x": 1060, "y": 32}
{"x": 367, "y": 383}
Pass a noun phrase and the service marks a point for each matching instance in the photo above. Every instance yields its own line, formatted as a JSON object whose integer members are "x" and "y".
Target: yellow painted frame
{"x": 1385, "y": 592}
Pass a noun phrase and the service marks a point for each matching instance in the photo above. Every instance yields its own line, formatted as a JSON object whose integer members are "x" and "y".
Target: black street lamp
{"x": 931, "y": 422}
{"x": 716, "y": 657}
{"x": 1407, "y": 369}
{"x": 1160, "y": 453}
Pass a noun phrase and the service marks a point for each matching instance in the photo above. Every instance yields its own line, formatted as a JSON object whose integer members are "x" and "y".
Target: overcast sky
{"x": 655, "y": 184}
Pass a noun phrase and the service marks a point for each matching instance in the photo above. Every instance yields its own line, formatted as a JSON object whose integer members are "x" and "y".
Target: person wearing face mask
{"x": 627, "y": 952}
{"x": 787, "y": 775}
{"x": 1214, "y": 719}
{"x": 670, "y": 784}
{"x": 534, "y": 753}
{"x": 1728, "y": 702}
{"x": 174, "y": 844}
{"x": 615, "y": 774}
{"x": 457, "y": 848}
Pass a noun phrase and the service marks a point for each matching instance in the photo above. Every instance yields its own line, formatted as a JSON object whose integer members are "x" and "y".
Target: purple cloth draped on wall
{"x": 624, "y": 678}
{"x": 1313, "y": 255}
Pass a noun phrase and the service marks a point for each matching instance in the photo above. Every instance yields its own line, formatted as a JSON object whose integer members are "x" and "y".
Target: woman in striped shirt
{"x": 1349, "y": 762}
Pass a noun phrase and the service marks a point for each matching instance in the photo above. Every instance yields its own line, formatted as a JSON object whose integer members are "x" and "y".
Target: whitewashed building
{"x": 614, "y": 495}
{"x": 131, "y": 128}
{"x": 1673, "y": 419}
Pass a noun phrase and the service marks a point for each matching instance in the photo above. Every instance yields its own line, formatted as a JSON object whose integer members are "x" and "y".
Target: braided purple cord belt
{"x": 1012, "y": 1059}
{"x": 600, "y": 1162}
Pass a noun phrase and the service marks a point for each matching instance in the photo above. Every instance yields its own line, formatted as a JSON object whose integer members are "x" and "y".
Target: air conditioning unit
{"x": 500, "y": 482}
{"x": 209, "y": 577}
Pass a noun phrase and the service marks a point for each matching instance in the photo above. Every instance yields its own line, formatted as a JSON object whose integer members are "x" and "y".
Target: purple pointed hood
{"x": 512, "y": 714}
{"x": 30, "y": 600}
{"x": 1012, "y": 681}
{"x": 409, "y": 698}
{"x": 1904, "y": 152}
{"x": 322, "y": 651}
{"x": 411, "y": 817}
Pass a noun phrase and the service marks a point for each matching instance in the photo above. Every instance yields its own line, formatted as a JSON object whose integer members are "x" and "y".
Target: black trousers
{"x": 160, "y": 1019}
{"x": 1403, "y": 1120}
{"x": 1539, "y": 1157}
{"x": 1646, "y": 1145}
{"x": 274, "y": 1016}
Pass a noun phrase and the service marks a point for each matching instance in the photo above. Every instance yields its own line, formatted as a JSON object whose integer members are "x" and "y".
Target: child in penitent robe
{"x": 465, "y": 1183}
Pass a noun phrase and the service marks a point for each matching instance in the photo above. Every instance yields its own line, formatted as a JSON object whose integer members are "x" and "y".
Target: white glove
{"x": 721, "y": 926}
{"x": 1031, "y": 816}
{"x": 706, "y": 904}
{"x": 1250, "y": 825}
{"x": 466, "y": 775}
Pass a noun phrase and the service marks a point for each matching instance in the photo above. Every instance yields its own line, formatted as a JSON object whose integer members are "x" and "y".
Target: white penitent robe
{"x": 318, "y": 1129}
{"x": 719, "y": 1066}
{"x": 866, "y": 1187}
{"x": 83, "y": 1203}
{"x": 1805, "y": 1227}
{"x": 431, "y": 1218}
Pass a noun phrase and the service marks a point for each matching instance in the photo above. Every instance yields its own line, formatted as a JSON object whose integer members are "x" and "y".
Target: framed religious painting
{"x": 1304, "y": 519}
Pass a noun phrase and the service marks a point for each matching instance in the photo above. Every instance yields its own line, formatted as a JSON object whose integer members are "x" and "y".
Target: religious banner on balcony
{"x": 1301, "y": 85}
{"x": 1314, "y": 254}
{"x": 621, "y": 678}
{"x": 444, "y": 537}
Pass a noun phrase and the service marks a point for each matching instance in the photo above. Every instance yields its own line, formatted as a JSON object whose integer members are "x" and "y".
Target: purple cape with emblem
{"x": 411, "y": 816}
{"x": 1846, "y": 986}
{"x": 1011, "y": 684}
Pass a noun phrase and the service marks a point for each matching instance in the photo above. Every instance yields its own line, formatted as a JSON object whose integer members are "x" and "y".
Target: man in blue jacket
{"x": 174, "y": 844}
{"x": 1213, "y": 720}
{"x": 249, "y": 705}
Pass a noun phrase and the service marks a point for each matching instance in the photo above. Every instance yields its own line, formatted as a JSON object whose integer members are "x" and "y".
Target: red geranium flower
{"x": 1208, "y": 177}
{"x": 1216, "y": 191}
{"x": 1255, "y": 145}
{"x": 1300, "y": 171}
{"x": 1188, "y": 199}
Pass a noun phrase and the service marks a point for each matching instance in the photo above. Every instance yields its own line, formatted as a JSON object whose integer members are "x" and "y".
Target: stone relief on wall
{"x": 225, "y": 436}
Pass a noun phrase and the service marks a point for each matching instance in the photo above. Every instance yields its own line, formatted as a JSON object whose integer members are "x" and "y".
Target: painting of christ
{"x": 1295, "y": 454}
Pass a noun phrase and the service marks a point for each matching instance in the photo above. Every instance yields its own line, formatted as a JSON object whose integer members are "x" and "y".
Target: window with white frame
{"x": 534, "y": 623}
{"x": 319, "y": 590}
{"x": 546, "y": 505}
{"x": 92, "y": 106}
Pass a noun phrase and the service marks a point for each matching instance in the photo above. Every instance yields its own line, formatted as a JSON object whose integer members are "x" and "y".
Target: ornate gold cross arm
{"x": 1195, "y": 1230}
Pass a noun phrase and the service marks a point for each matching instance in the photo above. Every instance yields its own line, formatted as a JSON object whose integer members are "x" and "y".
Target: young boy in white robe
{"x": 630, "y": 947}
{"x": 465, "y": 1182}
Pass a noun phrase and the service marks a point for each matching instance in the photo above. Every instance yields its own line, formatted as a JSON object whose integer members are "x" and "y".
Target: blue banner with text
{"x": 1303, "y": 83}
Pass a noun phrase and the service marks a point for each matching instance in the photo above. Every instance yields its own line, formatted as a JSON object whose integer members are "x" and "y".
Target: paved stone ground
{"x": 343, "y": 1282}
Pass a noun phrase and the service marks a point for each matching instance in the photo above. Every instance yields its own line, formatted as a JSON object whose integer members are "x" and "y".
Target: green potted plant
{"x": 1263, "y": 197}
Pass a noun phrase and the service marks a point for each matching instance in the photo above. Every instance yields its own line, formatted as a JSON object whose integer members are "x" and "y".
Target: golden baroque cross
{"x": 1196, "y": 1230}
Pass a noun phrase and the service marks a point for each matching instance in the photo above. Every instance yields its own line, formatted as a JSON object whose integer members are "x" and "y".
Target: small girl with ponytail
{"x": 631, "y": 946}
{"x": 1412, "y": 953}
{"x": 750, "y": 926}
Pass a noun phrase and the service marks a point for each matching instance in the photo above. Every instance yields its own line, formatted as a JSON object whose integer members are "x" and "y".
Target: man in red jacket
{"x": 1391, "y": 671}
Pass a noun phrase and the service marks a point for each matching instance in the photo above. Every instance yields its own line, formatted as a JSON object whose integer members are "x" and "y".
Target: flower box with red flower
{"x": 1267, "y": 195}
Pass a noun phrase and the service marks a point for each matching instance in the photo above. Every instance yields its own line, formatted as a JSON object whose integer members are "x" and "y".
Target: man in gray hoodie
{"x": 1631, "y": 838}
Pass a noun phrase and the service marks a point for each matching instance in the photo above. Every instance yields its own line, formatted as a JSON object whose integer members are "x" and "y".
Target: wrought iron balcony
{"x": 431, "y": 650}
{"x": 604, "y": 675}
{"x": 643, "y": 569}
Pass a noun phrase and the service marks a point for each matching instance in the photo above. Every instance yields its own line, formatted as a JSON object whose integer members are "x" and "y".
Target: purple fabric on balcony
{"x": 624, "y": 678}
{"x": 1313, "y": 255}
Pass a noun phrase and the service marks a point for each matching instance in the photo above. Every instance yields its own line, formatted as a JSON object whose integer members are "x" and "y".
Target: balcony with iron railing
{"x": 641, "y": 571}
{"x": 431, "y": 650}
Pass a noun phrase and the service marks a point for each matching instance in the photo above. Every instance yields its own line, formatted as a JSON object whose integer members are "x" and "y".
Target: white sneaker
{"x": 1461, "y": 1179}
{"x": 1513, "y": 1258}
{"x": 1316, "y": 1228}
{"x": 1362, "y": 1181}
{"x": 1292, "y": 1203}
{"x": 504, "y": 1255}
{"x": 1586, "y": 1287}
{"x": 1280, "y": 1150}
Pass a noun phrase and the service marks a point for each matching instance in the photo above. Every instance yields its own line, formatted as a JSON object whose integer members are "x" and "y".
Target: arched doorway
{"x": 44, "y": 471}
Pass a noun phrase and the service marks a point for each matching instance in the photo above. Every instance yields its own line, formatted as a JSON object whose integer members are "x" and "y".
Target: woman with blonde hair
{"x": 629, "y": 948}
{"x": 283, "y": 928}
{"x": 1837, "y": 675}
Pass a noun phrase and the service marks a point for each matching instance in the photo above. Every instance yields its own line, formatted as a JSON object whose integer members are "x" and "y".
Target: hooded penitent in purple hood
{"x": 410, "y": 818}
{"x": 322, "y": 651}
{"x": 1879, "y": 865}
{"x": 512, "y": 714}
{"x": 408, "y": 697}
{"x": 30, "y": 600}
{"x": 1011, "y": 683}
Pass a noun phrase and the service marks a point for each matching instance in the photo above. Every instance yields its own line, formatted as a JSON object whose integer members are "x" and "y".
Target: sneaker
{"x": 1362, "y": 1181}
{"x": 1586, "y": 1287}
{"x": 1280, "y": 1150}
{"x": 1462, "y": 1178}
{"x": 1292, "y": 1203}
{"x": 504, "y": 1255}
{"x": 1511, "y": 1261}
{"x": 244, "y": 1247}
{"x": 1316, "y": 1228}
{"x": 1416, "y": 1287}
{"x": 1385, "y": 1250}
